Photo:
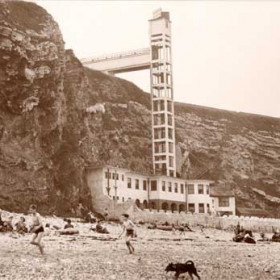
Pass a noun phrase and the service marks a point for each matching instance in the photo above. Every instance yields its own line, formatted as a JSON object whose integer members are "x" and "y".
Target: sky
{"x": 226, "y": 54}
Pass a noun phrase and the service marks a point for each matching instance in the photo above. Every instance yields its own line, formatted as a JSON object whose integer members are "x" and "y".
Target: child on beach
{"x": 128, "y": 226}
{"x": 37, "y": 228}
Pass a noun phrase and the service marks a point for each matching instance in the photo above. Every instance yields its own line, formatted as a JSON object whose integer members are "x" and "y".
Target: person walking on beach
{"x": 128, "y": 227}
{"x": 37, "y": 228}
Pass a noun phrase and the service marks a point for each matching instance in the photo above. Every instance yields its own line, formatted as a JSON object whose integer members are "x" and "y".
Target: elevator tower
{"x": 163, "y": 127}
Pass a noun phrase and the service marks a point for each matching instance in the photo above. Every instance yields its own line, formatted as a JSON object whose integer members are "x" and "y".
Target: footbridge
{"x": 120, "y": 62}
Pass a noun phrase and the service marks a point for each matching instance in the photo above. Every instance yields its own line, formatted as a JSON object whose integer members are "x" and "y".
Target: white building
{"x": 155, "y": 192}
{"x": 223, "y": 200}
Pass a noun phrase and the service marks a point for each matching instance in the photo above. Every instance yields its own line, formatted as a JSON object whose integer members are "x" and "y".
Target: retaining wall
{"x": 226, "y": 222}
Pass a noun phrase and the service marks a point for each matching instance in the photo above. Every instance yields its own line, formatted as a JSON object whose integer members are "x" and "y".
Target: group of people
{"x": 37, "y": 228}
{"x": 243, "y": 235}
{"x": 7, "y": 225}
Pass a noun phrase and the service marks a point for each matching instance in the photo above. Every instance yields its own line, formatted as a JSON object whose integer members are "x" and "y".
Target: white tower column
{"x": 163, "y": 127}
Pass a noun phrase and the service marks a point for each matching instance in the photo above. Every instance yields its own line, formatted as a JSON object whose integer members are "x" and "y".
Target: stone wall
{"x": 226, "y": 222}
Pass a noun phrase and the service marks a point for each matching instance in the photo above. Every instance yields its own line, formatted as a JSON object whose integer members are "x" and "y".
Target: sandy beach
{"x": 90, "y": 255}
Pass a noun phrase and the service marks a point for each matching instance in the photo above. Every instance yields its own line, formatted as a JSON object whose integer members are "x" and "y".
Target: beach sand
{"x": 84, "y": 257}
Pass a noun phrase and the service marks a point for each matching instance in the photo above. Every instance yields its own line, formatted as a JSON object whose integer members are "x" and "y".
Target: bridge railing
{"x": 117, "y": 55}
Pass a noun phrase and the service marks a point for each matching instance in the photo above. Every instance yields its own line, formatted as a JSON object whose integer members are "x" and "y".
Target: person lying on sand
{"x": 100, "y": 229}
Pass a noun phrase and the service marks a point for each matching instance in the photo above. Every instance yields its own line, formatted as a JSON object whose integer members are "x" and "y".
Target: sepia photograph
{"x": 139, "y": 140}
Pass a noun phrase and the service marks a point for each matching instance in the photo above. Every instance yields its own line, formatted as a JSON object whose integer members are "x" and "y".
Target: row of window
{"x": 160, "y": 105}
{"x": 159, "y": 92}
{"x": 201, "y": 207}
{"x": 200, "y": 189}
{"x": 159, "y": 132}
{"x": 162, "y": 166}
{"x": 166, "y": 186}
{"x": 114, "y": 176}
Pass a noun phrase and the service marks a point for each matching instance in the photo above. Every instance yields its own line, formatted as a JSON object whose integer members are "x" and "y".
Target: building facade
{"x": 157, "y": 192}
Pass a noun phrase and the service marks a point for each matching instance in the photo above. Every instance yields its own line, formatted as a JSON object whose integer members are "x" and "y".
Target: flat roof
{"x": 221, "y": 190}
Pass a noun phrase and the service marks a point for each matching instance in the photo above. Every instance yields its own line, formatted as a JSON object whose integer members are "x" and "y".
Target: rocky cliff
{"x": 57, "y": 117}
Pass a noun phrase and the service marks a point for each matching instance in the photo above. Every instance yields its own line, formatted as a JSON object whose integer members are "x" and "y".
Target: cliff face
{"x": 32, "y": 102}
{"x": 52, "y": 120}
{"x": 57, "y": 117}
{"x": 240, "y": 149}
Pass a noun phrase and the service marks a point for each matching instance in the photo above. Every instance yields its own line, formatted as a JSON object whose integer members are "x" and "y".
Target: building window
{"x": 170, "y": 147}
{"x": 208, "y": 208}
{"x": 108, "y": 175}
{"x": 123, "y": 199}
{"x": 223, "y": 201}
{"x": 169, "y": 120}
{"x": 163, "y": 186}
{"x": 136, "y": 184}
{"x": 191, "y": 207}
{"x": 171, "y": 161}
{"x": 170, "y": 133}
{"x": 129, "y": 183}
{"x": 122, "y": 177}
{"x": 169, "y": 186}
{"x": 169, "y": 106}
{"x": 207, "y": 189}
{"x": 160, "y": 147}
{"x": 176, "y": 188}
{"x": 191, "y": 189}
{"x": 200, "y": 189}
{"x": 201, "y": 207}
{"x": 182, "y": 188}
{"x": 115, "y": 176}
{"x": 153, "y": 185}
{"x": 144, "y": 185}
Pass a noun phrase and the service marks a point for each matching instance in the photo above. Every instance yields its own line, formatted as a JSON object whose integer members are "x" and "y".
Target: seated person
{"x": 100, "y": 229}
{"x": 21, "y": 226}
{"x": 69, "y": 224}
{"x": 91, "y": 218}
{"x": 276, "y": 236}
{"x": 8, "y": 224}
{"x": 263, "y": 237}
